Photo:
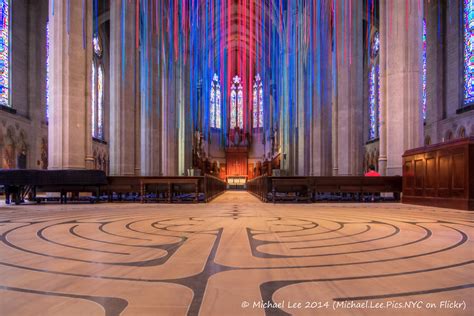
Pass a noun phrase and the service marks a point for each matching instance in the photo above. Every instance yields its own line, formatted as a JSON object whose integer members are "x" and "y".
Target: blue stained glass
{"x": 218, "y": 106}
{"x": 257, "y": 102}
{"x": 236, "y": 104}
{"x": 94, "y": 99}
{"x": 468, "y": 51}
{"x": 260, "y": 106}
{"x": 233, "y": 109}
{"x": 372, "y": 104}
{"x": 215, "y": 103}
{"x": 47, "y": 71}
{"x": 100, "y": 103}
{"x": 240, "y": 108}
{"x": 97, "y": 90}
{"x": 255, "y": 106}
{"x": 374, "y": 88}
{"x": 375, "y": 45}
{"x": 4, "y": 52}
{"x": 212, "y": 108}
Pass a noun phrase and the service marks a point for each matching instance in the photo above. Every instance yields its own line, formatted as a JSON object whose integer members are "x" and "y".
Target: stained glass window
{"x": 100, "y": 103}
{"x": 212, "y": 107}
{"x": 373, "y": 110}
{"x": 257, "y": 102}
{"x": 375, "y": 45}
{"x": 218, "y": 106}
{"x": 236, "y": 104}
{"x": 233, "y": 109}
{"x": 97, "y": 46}
{"x": 97, "y": 90}
{"x": 47, "y": 71}
{"x": 240, "y": 108}
{"x": 468, "y": 51}
{"x": 94, "y": 98}
{"x": 4, "y": 52}
{"x": 374, "y": 97}
{"x": 424, "y": 71}
{"x": 215, "y": 103}
{"x": 260, "y": 105}
{"x": 255, "y": 106}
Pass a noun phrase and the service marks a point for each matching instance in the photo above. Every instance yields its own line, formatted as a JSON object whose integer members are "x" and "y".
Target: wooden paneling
{"x": 440, "y": 175}
{"x": 237, "y": 161}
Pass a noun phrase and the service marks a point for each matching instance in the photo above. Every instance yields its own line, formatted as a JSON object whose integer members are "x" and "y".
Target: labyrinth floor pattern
{"x": 235, "y": 256}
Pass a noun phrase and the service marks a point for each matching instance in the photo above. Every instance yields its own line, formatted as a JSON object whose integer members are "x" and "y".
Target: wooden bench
{"x": 170, "y": 182}
{"x": 121, "y": 185}
{"x": 166, "y": 188}
{"x": 359, "y": 185}
{"x": 303, "y": 188}
{"x": 291, "y": 189}
{"x": 22, "y": 183}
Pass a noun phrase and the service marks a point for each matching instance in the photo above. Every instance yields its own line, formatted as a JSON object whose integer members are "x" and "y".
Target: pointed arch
{"x": 215, "y": 103}
{"x": 236, "y": 104}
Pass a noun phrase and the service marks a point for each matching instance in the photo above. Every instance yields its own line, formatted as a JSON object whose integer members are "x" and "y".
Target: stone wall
{"x": 23, "y": 131}
{"x": 445, "y": 77}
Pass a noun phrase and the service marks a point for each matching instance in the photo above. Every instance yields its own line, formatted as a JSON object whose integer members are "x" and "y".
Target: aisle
{"x": 235, "y": 196}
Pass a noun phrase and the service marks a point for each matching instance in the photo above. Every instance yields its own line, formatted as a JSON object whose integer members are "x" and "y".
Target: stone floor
{"x": 236, "y": 256}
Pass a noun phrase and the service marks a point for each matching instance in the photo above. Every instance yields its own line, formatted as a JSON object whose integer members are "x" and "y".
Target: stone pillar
{"x": 285, "y": 119}
{"x": 122, "y": 88}
{"x": 300, "y": 157}
{"x": 187, "y": 119}
{"x": 181, "y": 121}
{"x": 322, "y": 103}
{"x": 149, "y": 99}
{"x": 348, "y": 108}
{"x": 436, "y": 76}
{"x": 170, "y": 121}
{"x": 401, "y": 120}
{"x": 70, "y": 138}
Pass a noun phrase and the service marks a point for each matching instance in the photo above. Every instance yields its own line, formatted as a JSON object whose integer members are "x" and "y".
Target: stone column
{"x": 384, "y": 16}
{"x": 301, "y": 140}
{"x": 149, "y": 111}
{"x": 284, "y": 119}
{"x": 70, "y": 138}
{"x": 348, "y": 146}
{"x": 401, "y": 70}
{"x": 322, "y": 104}
{"x": 122, "y": 88}
{"x": 187, "y": 119}
{"x": 181, "y": 118}
{"x": 170, "y": 121}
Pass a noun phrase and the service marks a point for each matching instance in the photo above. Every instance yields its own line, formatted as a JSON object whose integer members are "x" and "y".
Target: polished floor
{"x": 236, "y": 256}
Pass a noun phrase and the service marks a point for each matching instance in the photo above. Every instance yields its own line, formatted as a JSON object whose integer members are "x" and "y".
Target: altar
{"x": 237, "y": 163}
{"x": 236, "y": 154}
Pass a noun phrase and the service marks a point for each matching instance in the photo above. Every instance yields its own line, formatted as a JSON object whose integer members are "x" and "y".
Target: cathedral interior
{"x": 236, "y": 157}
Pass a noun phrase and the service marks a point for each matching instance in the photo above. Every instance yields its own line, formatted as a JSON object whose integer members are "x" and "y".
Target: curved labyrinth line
{"x": 209, "y": 260}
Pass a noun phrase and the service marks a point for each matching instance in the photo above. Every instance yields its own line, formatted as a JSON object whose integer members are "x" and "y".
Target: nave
{"x": 234, "y": 256}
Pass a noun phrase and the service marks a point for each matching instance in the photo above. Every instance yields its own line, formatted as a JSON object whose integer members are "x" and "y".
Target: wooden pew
{"x": 213, "y": 187}
{"x": 22, "y": 183}
{"x": 304, "y": 188}
{"x": 175, "y": 186}
{"x": 260, "y": 187}
{"x": 357, "y": 185}
{"x": 167, "y": 189}
{"x": 294, "y": 189}
{"x": 122, "y": 185}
